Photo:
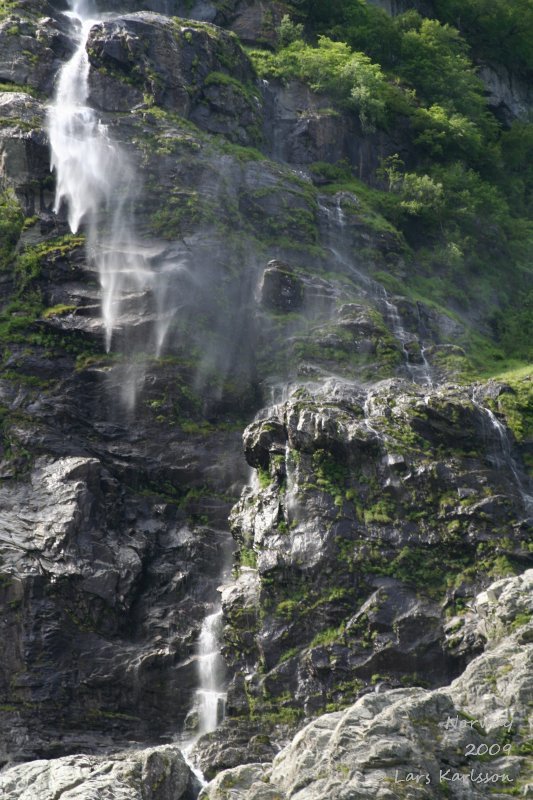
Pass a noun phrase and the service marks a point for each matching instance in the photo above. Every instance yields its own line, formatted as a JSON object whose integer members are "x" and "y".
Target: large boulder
{"x": 33, "y": 44}
{"x": 159, "y": 773}
{"x": 375, "y": 517}
{"x": 192, "y": 69}
{"x": 413, "y": 743}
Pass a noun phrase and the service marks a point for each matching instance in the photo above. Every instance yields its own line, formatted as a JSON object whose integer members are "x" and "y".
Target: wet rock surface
{"x": 378, "y": 746}
{"x": 376, "y": 517}
{"x": 280, "y": 289}
{"x": 148, "y": 55}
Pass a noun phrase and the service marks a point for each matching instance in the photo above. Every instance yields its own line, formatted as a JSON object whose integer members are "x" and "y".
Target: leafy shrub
{"x": 11, "y": 222}
{"x": 289, "y": 31}
{"x": 350, "y": 77}
{"x": 498, "y": 30}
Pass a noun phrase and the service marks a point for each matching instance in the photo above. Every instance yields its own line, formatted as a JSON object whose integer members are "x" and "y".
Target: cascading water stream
{"x": 502, "y": 454}
{"x": 210, "y": 696}
{"x": 94, "y": 180}
{"x": 420, "y": 373}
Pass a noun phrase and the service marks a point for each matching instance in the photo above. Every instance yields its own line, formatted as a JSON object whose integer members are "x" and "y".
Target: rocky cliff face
{"x": 373, "y": 518}
{"x": 460, "y": 741}
{"x": 384, "y": 494}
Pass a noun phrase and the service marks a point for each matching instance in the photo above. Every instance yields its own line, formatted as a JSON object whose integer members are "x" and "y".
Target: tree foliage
{"x": 332, "y": 67}
{"x": 498, "y": 30}
{"x": 465, "y": 202}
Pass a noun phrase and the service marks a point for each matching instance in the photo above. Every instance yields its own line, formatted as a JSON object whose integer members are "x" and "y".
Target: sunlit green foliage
{"x": 464, "y": 202}
{"x": 349, "y": 77}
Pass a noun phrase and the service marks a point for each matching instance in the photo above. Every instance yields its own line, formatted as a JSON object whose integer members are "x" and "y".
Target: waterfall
{"x": 419, "y": 373}
{"x": 210, "y": 697}
{"x": 94, "y": 180}
{"x": 97, "y": 184}
{"x": 502, "y": 454}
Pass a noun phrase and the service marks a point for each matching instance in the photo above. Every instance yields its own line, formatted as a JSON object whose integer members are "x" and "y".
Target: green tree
{"x": 351, "y": 78}
{"x": 498, "y": 30}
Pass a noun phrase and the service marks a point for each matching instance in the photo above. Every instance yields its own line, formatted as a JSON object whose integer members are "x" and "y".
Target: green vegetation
{"x": 516, "y": 405}
{"x": 463, "y": 206}
{"x": 19, "y": 315}
{"x": 57, "y": 311}
{"x": 223, "y": 79}
{"x": 6, "y": 8}
{"x": 11, "y": 222}
{"x": 497, "y": 30}
{"x": 328, "y": 636}
{"x": 331, "y": 67}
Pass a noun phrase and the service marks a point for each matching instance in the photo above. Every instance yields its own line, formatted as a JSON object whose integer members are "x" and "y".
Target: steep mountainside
{"x": 302, "y": 229}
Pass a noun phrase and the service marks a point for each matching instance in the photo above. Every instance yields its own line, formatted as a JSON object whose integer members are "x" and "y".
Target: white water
{"x": 210, "y": 696}
{"x": 419, "y": 373}
{"x": 502, "y": 454}
{"x": 95, "y": 181}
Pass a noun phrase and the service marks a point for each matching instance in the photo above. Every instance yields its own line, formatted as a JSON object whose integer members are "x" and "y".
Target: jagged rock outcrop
{"x": 156, "y": 774}
{"x": 24, "y": 150}
{"x": 253, "y": 21}
{"x": 99, "y": 603}
{"x": 302, "y": 127}
{"x": 375, "y": 516}
{"x": 33, "y": 43}
{"x": 508, "y": 95}
{"x": 197, "y": 71}
{"x": 461, "y": 741}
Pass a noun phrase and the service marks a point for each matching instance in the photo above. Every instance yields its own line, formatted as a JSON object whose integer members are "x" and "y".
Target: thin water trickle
{"x": 502, "y": 453}
{"x": 210, "y": 698}
{"x": 419, "y": 373}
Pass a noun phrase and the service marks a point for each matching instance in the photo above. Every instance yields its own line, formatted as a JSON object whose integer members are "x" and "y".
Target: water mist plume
{"x": 95, "y": 181}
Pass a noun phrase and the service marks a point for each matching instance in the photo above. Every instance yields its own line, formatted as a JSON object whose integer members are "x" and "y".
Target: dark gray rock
{"x": 508, "y": 95}
{"x": 257, "y": 23}
{"x": 33, "y": 47}
{"x": 24, "y": 162}
{"x": 302, "y": 127}
{"x": 194, "y": 70}
{"x": 368, "y": 523}
{"x": 281, "y": 289}
{"x": 118, "y": 473}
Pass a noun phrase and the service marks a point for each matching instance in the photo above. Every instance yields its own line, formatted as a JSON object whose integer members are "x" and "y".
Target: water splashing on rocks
{"x": 95, "y": 181}
{"x": 501, "y": 452}
{"x": 210, "y": 696}
{"x": 416, "y": 362}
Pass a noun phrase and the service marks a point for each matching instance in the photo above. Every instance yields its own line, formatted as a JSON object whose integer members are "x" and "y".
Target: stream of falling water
{"x": 96, "y": 183}
{"x": 502, "y": 453}
{"x": 94, "y": 180}
{"x": 420, "y": 373}
{"x": 210, "y": 697}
